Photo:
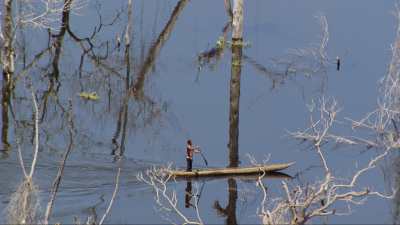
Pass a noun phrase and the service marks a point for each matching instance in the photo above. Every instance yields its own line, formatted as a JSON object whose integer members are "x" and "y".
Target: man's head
{"x": 189, "y": 142}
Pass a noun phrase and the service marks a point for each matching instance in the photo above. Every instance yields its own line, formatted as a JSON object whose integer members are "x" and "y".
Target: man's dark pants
{"x": 189, "y": 164}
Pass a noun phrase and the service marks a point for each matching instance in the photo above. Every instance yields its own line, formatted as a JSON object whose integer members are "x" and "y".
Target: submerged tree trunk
{"x": 236, "y": 69}
{"x": 230, "y": 210}
{"x": 234, "y": 106}
{"x": 7, "y": 59}
{"x": 6, "y": 97}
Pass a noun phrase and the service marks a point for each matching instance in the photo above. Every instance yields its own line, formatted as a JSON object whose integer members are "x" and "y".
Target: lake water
{"x": 180, "y": 101}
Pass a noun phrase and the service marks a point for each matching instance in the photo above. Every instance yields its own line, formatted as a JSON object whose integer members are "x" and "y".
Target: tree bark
{"x": 7, "y": 59}
{"x": 8, "y": 53}
{"x": 236, "y": 69}
{"x": 234, "y": 94}
{"x": 237, "y": 23}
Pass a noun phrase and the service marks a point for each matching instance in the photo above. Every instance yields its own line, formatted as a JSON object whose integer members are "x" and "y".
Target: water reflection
{"x": 396, "y": 200}
{"x": 154, "y": 50}
{"x": 5, "y": 106}
{"x": 59, "y": 38}
{"x": 188, "y": 194}
{"x": 230, "y": 210}
{"x": 109, "y": 68}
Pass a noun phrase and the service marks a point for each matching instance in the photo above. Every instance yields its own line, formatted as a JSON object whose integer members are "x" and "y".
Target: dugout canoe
{"x": 231, "y": 171}
{"x": 242, "y": 177}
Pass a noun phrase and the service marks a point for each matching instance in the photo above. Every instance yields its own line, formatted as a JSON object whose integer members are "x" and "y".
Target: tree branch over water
{"x": 167, "y": 200}
{"x": 303, "y": 203}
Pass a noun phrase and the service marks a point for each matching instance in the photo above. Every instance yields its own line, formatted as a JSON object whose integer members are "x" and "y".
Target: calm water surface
{"x": 181, "y": 102}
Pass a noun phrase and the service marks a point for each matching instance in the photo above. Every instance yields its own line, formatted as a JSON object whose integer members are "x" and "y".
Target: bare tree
{"x": 45, "y": 14}
{"x": 303, "y": 203}
{"x": 167, "y": 200}
{"x": 24, "y": 203}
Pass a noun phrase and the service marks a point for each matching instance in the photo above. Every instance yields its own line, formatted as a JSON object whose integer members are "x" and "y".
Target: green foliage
{"x": 89, "y": 96}
{"x": 220, "y": 45}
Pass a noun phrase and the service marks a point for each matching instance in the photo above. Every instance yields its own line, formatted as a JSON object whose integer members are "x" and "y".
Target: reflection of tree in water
{"x": 310, "y": 62}
{"x": 101, "y": 69}
{"x": 230, "y": 210}
{"x": 396, "y": 201}
{"x": 5, "y": 102}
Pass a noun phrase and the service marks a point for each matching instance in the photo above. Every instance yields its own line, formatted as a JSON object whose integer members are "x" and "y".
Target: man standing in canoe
{"x": 190, "y": 150}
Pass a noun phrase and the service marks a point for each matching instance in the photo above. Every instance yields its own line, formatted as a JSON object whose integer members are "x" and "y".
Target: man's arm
{"x": 196, "y": 149}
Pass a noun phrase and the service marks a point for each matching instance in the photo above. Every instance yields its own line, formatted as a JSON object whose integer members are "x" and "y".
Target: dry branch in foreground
{"x": 323, "y": 198}
{"x": 24, "y": 203}
{"x": 167, "y": 200}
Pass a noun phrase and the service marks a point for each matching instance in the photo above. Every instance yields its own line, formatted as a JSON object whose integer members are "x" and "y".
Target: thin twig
{"x": 36, "y": 141}
{"x": 112, "y": 198}
{"x": 57, "y": 180}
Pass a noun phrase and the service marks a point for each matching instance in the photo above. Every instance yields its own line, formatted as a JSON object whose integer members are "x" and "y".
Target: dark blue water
{"x": 183, "y": 103}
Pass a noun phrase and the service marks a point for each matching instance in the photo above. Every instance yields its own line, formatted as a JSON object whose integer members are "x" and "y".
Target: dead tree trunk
{"x": 6, "y": 94}
{"x": 237, "y": 23}
{"x": 236, "y": 69}
{"x": 7, "y": 59}
{"x": 234, "y": 106}
{"x": 8, "y": 33}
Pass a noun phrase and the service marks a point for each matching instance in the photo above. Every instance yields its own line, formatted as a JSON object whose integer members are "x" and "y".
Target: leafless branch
{"x": 20, "y": 159}
{"x": 112, "y": 198}
{"x": 384, "y": 120}
{"x": 319, "y": 130}
{"x": 36, "y": 141}
{"x": 307, "y": 61}
{"x": 303, "y": 203}
{"x": 24, "y": 202}
{"x": 46, "y": 13}
{"x": 60, "y": 172}
{"x": 165, "y": 199}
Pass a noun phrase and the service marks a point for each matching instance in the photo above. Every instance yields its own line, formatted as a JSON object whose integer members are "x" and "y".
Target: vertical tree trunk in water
{"x": 237, "y": 22}
{"x": 231, "y": 207}
{"x": 236, "y": 68}
{"x": 230, "y": 210}
{"x": 6, "y": 94}
{"x": 234, "y": 106}
{"x": 7, "y": 59}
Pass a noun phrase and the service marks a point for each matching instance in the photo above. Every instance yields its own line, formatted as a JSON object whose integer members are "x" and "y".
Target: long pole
{"x": 204, "y": 158}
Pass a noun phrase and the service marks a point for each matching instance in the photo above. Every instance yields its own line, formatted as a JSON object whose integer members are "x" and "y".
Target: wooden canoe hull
{"x": 231, "y": 171}
{"x": 242, "y": 177}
